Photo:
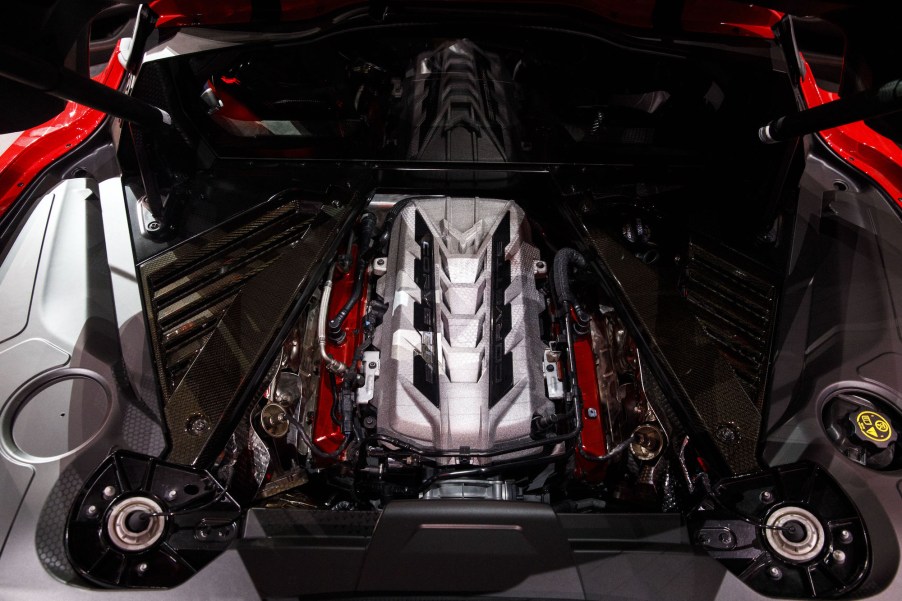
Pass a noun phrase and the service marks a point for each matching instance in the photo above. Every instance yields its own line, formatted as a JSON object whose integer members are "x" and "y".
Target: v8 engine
{"x": 461, "y": 348}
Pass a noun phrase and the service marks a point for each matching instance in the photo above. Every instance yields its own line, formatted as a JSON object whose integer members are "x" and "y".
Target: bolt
{"x": 141, "y": 568}
{"x": 845, "y": 536}
{"x": 153, "y": 226}
{"x": 109, "y": 492}
{"x": 203, "y": 532}
{"x": 369, "y": 422}
{"x": 592, "y": 412}
{"x": 727, "y": 434}
{"x": 549, "y": 368}
{"x": 767, "y": 497}
{"x": 372, "y": 365}
{"x": 540, "y": 264}
{"x": 839, "y": 557}
{"x": 91, "y": 510}
{"x": 171, "y": 494}
{"x": 197, "y": 425}
{"x": 380, "y": 262}
{"x": 775, "y": 572}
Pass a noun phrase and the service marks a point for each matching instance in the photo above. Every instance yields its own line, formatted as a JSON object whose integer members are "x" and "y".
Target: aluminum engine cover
{"x": 461, "y": 366}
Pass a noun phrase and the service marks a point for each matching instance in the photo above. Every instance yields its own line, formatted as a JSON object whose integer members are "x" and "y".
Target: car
{"x": 342, "y": 299}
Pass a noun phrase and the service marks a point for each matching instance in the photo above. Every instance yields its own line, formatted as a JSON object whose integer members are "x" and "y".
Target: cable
{"x": 313, "y": 448}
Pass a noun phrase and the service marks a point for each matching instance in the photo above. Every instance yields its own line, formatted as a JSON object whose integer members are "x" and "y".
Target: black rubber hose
{"x": 563, "y": 261}
{"x": 385, "y": 233}
{"x": 364, "y": 237}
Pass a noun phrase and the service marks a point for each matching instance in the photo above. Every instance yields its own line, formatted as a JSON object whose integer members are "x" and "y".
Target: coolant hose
{"x": 364, "y": 237}
{"x": 563, "y": 260}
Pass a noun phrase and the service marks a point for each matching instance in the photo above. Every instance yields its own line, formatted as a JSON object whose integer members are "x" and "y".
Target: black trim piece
{"x": 426, "y": 374}
{"x": 501, "y": 364}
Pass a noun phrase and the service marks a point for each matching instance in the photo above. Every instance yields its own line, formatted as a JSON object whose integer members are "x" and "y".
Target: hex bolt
{"x": 839, "y": 557}
{"x": 845, "y": 536}
{"x": 109, "y": 492}
{"x": 775, "y": 572}
{"x": 141, "y": 568}
{"x": 592, "y": 412}
{"x": 91, "y": 510}
{"x": 767, "y": 497}
{"x": 171, "y": 494}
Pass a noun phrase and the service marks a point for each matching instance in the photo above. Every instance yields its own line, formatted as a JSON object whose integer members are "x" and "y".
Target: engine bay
{"x": 443, "y": 336}
{"x": 394, "y": 270}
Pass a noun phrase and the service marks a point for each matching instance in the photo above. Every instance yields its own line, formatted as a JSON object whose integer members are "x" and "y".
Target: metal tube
{"x": 68, "y": 85}
{"x": 864, "y": 105}
{"x": 331, "y": 364}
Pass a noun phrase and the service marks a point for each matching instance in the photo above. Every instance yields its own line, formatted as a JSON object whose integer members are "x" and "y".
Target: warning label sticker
{"x": 874, "y": 426}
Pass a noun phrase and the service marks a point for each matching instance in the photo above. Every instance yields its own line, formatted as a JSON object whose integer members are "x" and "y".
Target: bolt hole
{"x": 62, "y": 415}
{"x": 191, "y": 489}
{"x": 840, "y": 186}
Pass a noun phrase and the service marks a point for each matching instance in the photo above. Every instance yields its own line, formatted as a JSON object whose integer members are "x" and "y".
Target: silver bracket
{"x": 371, "y": 366}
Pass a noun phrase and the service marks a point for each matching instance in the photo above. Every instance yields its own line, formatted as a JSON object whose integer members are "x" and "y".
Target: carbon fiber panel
{"x": 712, "y": 394}
{"x": 204, "y": 407}
{"x": 187, "y": 289}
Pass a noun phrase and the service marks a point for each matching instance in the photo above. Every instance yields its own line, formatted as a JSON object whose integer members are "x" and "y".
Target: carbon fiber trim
{"x": 736, "y": 307}
{"x": 204, "y": 407}
{"x": 713, "y": 397}
{"x": 188, "y": 288}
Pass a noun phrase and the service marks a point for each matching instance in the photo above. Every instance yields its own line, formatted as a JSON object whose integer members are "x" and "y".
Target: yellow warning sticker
{"x": 874, "y": 426}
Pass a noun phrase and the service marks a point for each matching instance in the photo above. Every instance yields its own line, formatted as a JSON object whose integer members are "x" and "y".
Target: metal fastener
{"x": 141, "y": 568}
{"x": 845, "y": 536}
{"x": 839, "y": 557}
{"x": 109, "y": 492}
{"x": 171, "y": 494}
{"x": 91, "y": 510}
{"x": 767, "y": 497}
{"x": 372, "y": 365}
{"x": 153, "y": 226}
{"x": 592, "y": 412}
{"x": 775, "y": 572}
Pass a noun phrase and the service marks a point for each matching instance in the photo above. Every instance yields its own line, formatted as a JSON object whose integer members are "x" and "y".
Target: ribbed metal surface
{"x": 736, "y": 310}
{"x": 188, "y": 288}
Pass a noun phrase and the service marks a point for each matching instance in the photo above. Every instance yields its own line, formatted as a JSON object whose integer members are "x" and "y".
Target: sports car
{"x": 332, "y": 299}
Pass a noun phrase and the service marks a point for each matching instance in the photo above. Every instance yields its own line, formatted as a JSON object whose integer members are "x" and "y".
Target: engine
{"x": 461, "y": 348}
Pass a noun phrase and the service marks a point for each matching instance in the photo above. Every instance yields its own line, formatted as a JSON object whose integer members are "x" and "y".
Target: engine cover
{"x": 461, "y": 363}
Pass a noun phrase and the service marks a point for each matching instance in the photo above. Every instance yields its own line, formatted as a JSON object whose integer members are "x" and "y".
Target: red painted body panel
{"x": 592, "y": 439}
{"x": 875, "y": 155}
{"x": 326, "y": 433}
{"x": 36, "y": 148}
